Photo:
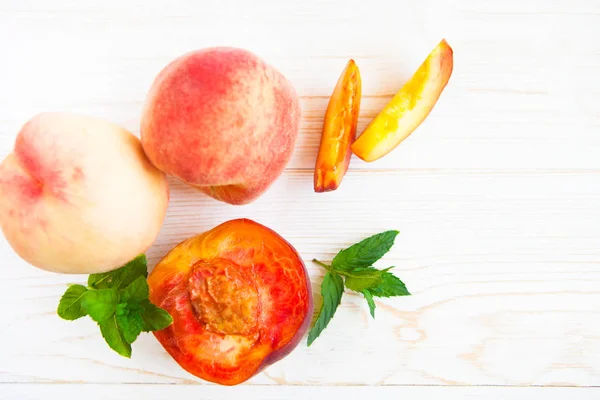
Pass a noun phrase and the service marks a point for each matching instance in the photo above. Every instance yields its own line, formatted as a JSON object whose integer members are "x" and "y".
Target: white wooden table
{"x": 496, "y": 195}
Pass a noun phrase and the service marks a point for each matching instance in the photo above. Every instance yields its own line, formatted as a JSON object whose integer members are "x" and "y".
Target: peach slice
{"x": 409, "y": 107}
{"x": 339, "y": 130}
{"x": 240, "y": 298}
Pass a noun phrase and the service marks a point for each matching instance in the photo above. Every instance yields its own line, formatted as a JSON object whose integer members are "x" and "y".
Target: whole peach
{"x": 78, "y": 195}
{"x": 222, "y": 120}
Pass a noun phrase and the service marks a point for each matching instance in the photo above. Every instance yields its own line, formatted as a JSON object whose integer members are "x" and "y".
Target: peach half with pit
{"x": 240, "y": 298}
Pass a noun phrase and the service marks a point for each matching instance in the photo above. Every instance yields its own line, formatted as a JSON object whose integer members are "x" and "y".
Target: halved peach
{"x": 240, "y": 298}
{"x": 409, "y": 107}
{"x": 339, "y": 130}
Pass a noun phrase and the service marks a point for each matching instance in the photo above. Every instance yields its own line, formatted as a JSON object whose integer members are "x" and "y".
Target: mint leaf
{"x": 390, "y": 286}
{"x": 129, "y": 321}
{"x": 363, "y": 278}
{"x": 365, "y": 253}
{"x": 121, "y": 277}
{"x": 69, "y": 307}
{"x": 114, "y": 337}
{"x": 154, "y": 318}
{"x": 100, "y": 304}
{"x": 138, "y": 290}
{"x": 370, "y": 301}
{"x": 354, "y": 264}
{"x": 118, "y": 302}
{"x": 332, "y": 289}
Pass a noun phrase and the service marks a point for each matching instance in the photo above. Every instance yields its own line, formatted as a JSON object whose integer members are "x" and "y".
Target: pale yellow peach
{"x": 78, "y": 195}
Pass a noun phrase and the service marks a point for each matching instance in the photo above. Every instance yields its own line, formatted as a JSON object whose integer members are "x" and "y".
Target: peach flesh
{"x": 339, "y": 130}
{"x": 409, "y": 107}
{"x": 226, "y": 330}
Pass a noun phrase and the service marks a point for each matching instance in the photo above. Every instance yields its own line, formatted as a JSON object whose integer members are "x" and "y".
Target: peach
{"x": 409, "y": 107}
{"x": 339, "y": 130}
{"x": 221, "y": 120}
{"x": 78, "y": 195}
{"x": 240, "y": 298}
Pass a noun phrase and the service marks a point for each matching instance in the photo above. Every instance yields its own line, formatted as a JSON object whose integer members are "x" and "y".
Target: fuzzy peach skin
{"x": 222, "y": 120}
{"x": 240, "y": 298}
{"x": 78, "y": 195}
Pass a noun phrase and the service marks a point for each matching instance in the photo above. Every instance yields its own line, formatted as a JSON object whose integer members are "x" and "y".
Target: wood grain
{"x": 524, "y": 79}
{"x": 160, "y": 392}
{"x": 496, "y": 195}
{"x": 503, "y": 267}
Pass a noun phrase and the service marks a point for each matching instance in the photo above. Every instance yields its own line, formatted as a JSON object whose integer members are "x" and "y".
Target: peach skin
{"x": 240, "y": 299}
{"x": 221, "y": 120}
{"x": 409, "y": 107}
{"x": 339, "y": 130}
{"x": 78, "y": 195}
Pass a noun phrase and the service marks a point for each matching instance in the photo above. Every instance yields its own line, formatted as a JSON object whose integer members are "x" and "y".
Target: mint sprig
{"x": 118, "y": 301}
{"x": 354, "y": 264}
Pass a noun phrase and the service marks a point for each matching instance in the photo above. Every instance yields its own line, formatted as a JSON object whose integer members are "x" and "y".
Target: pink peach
{"x": 222, "y": 120}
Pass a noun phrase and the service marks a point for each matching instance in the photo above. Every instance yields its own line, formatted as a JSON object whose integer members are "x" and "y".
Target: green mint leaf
{"x": 122, "y": 309}
{"x": 365, "y": 253}
{"x": 154, "y": 318}
{"x": 69, "y": 307}
{"x": 390, "y": 286}
{"x": 370, "y": 301}
{"x": 332, "y": 289}
{"x": 137, "y": 290}
{"x": 114, "y": 337}
{"x": 355, "y": 265}
{"x": 130, "y": 323}
{"x": 118, "y": 302}
{"x": 100, "y": 304}
{"x": 363, "y": 278}
{"x": 121, "y": 277}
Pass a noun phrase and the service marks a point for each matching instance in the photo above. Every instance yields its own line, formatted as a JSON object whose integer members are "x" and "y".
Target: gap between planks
{"x": 461, "y": 171}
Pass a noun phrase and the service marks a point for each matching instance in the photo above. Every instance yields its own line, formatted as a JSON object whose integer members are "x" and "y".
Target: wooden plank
{"x": 197, "y": 392}
{"x": 496, "y": 194}
{"x": 524, "y": 92}
{"x": 503, "y": 267}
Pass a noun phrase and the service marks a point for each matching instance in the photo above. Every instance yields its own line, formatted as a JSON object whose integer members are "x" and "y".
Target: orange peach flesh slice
{"x": 339, "y": 130}
{"x": 409, "y": 107}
